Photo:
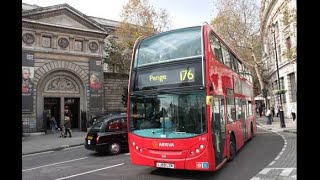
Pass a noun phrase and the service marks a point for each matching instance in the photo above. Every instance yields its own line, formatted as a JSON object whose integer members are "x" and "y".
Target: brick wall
{"x": 114, "y": 85}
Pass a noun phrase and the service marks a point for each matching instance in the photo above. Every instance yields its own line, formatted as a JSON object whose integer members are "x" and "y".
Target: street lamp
{"x": 280, "y": 109}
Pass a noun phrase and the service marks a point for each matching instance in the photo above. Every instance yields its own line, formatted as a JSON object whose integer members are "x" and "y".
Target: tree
{"x": 139, "y": 18}
{"x": 116, "y": 56}
{"x": 237, "y": 22}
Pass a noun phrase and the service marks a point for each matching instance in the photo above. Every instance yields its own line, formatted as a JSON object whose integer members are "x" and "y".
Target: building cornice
{"x": 27, "y": 23}
{"x": 266, "y": 14}
{"x": 43, "y": 12}
{"x": 281, "y": 66}
{"x": 59, "y": 52}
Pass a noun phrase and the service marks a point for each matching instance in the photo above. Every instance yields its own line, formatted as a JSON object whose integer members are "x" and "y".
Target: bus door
{"x": 218, "y": 128}
{"x": 244, "y": 116}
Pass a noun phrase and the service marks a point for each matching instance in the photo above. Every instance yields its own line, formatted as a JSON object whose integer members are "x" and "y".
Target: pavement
{"x": 284, "y": 166}
{"x": 36, "y": 143}
{"x": 291, "y": 126}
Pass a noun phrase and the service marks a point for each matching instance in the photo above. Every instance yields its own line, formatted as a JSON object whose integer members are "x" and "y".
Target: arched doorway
{"x": 58, "y": 90}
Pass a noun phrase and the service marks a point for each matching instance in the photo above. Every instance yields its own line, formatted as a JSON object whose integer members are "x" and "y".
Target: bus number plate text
{"x": 165, "y": 165}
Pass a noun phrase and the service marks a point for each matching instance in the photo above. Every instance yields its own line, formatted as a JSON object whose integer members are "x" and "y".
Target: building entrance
{"x": 73, "y": 105}
{"x": 51, "y": 108}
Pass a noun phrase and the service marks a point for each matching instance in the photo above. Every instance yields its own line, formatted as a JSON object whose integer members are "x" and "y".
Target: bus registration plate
{"x": 165, "y": 165}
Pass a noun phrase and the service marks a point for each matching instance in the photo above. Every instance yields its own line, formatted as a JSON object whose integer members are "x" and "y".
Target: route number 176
{"x": 186, "y": 75}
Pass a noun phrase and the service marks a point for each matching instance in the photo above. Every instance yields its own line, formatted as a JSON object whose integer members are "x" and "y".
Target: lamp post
{"x": 280, "y": 109}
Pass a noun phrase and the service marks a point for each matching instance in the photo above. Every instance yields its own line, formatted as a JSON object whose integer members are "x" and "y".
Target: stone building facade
{"x": 62, "y": 67}
{"x": 279, "y": 32}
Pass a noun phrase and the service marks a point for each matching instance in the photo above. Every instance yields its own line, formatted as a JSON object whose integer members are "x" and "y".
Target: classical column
{"x": 71, "y": 43}
{"x": 85, "y": 46}
{"x": 38, "y": 39}
{"x": 54, "y": 42}
{"x": 61, "y": 110}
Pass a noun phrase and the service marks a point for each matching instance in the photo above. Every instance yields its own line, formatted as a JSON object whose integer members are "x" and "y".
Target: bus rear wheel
{"x": 252, "y": 133}
{"x": 232, "y": 148}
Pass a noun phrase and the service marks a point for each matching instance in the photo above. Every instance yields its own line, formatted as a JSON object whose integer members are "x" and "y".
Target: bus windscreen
{"x": 169, "y": 115}
{"x": 169, "y": 46}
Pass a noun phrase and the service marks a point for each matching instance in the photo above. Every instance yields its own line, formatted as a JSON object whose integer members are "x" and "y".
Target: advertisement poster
{"x": 96, "y": 85}
{"x": 27, "y": 81}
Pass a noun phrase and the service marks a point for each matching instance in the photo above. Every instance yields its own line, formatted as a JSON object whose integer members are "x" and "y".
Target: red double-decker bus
{"x": 190, "y": 101}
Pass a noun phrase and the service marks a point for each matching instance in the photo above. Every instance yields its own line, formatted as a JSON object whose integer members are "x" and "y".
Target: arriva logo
{"x": 166, "y": 145}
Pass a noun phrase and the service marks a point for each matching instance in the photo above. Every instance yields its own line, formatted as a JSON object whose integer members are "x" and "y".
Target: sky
{"x": 183, "y": 13}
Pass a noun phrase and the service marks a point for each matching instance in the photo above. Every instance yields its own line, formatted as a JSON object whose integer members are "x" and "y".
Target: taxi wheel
{"x": 114, "y": 148}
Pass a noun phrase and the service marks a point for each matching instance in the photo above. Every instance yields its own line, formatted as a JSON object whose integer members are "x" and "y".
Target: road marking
{"x": 54, "y": 164}
{"x": 37, "y": 153}
{"x": 89, "y": 171}
{"x": 72, "y": 147}
{"x": 264, "y": 171}
{"x": 286, "y": 171}
{"x": 272, "y": 163}
{"x": 255, "y": 178}
{"x": 127, "y": 154}
{"x": 263, "y": 132}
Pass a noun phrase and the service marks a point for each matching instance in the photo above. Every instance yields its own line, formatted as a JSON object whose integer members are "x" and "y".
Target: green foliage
{"x": 138, "y": 19}
{"x": 280, "y": 91}
{"x": 237, "y": 23}
{"x": 117, "y": 55}
{"x": 289, "y": 53}
{"x": 286, "y": 16}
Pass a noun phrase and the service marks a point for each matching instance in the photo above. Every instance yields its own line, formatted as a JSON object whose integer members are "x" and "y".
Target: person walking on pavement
{"x": 54, "y": 125}
{"x": 62, "y": 130}
{"x": 67, "y": 122}
{"x": 293, "y": 113}
{"x": 268, "y": 116}
{"x": 271, "y": 114}
{"x": 260, "y": 110}
{"x": 272, "y": 110}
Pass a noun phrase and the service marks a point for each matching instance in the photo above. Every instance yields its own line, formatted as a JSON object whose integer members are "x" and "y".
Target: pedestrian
{"x": 278, "y": 111}
{"x": 260, "y": 110}
{"x": 272, "y": 110}
{"x": 67, "y": 122}
{"x": 62, "y": 130}
{"x": 293, "y": 113}
{"x": 53, "y": 124}
{"x": 268, "y": 116}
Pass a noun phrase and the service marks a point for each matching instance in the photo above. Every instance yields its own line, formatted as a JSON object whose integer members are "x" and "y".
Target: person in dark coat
{"x": 67, "y": 122}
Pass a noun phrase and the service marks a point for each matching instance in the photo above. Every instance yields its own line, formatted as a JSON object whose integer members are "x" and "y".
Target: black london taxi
{"x": 109, "y": 134}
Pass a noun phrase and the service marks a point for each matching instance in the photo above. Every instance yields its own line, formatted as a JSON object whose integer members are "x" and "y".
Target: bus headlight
{"x": 196, "y": 149}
